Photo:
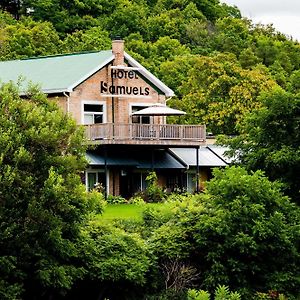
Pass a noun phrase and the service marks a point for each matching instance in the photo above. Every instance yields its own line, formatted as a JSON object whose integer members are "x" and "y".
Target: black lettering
{"x": 131, "y": 74}
{"x": 112, "y": 89}
{"x": 103, "y": 87}
{"x": 147, "y": 92}
{"x": 113, "y": 73}
{"x": 120, "y": 89}
{"x": 135, "y": 91}
{"x": 135, "y": 76}
{"x": 141, "y": 91}
{"x": 125, "y": 73}
{"x": 120, "y": 74}
{"x": 128, "y": 90}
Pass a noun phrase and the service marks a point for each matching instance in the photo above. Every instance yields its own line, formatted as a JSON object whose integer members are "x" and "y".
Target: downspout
{"x": 68, "y": 101}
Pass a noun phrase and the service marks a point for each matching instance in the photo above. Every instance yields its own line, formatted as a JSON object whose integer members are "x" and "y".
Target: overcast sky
{"x": 283, "y": 14}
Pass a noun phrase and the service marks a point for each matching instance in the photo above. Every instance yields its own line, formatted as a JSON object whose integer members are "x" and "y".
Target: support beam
{"x": 197, "y": 169}
{"x": 106, "y": 173}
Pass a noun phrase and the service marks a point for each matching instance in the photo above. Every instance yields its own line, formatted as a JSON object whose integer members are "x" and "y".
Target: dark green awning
{"x": 160, "y": 159}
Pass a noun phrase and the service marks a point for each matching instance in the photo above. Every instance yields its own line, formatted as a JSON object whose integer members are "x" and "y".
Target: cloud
{"x": 284, "y": 15}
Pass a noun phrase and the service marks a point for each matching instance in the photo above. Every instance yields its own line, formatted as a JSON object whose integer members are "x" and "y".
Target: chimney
{"x": 118, "y": 51}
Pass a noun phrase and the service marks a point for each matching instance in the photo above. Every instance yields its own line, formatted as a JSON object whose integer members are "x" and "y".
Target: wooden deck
{"x": 145, "y": 134}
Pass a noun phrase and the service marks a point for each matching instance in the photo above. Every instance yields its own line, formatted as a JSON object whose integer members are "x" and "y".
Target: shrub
{"x": 153, "y": 193}
{"x": 115, "y": 199}
{"x": 222, "y": 293}
{"x": 136, "y": 200}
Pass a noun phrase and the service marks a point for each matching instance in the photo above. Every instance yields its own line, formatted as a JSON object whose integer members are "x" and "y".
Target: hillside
{"x": 217, "y": 63}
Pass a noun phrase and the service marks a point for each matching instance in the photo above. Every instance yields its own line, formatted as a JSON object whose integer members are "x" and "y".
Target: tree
{"x": 11, "y": 6}
{"x": 252, "y": 238}
{"x": 232, "y": 35}
{"x": 151, "y": 55}
{"x": 243, "y": 232}
{"x": 94, "y": 38}
{"x": 218, "y": 92}
{"x": 27, "y": 38}
{"x": 270, "y": 139}
{"x": 42, "y": 201}
{"x": 116, "y": 262}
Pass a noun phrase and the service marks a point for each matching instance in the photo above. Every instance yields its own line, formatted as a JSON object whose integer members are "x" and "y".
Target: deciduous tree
{"x": 42, "y": 201}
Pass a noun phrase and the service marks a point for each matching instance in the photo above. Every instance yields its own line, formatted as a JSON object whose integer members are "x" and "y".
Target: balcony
{"x": 146, "y": 134}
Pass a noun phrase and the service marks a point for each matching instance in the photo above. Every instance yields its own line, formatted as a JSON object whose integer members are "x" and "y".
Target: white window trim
{"x": 89, "y": 170}
{"x": 95, "y": 102}
{"x": 144, "y": 104}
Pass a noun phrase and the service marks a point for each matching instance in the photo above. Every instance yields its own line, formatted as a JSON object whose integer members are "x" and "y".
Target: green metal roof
{"x": 55, "y": 74}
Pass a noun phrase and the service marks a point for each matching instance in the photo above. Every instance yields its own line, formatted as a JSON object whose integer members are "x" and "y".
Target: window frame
{"x": 96, "y": 171}
{"x": 144, "y": 105}
{"x": 94, "y": 102}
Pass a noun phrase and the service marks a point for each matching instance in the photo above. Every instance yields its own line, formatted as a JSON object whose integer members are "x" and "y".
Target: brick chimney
{"x": 118, "y": 51}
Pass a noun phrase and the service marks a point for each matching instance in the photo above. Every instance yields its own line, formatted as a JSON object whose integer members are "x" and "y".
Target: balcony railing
{"x": 145, "y": 132}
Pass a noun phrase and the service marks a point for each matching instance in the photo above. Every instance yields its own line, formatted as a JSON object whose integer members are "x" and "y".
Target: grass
{"x": 128, "y": 211}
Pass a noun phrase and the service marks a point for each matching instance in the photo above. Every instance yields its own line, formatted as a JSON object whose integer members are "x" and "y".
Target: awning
{"x": 96, "y": 159}
{"x": 158, "y": 109}
{"x": 220, "y": 151}
{"x": 206, "y": 157}
{"x": 160, "y": 159}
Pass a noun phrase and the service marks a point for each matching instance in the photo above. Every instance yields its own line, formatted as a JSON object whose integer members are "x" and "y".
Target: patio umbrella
{"x": 158, "y": 109}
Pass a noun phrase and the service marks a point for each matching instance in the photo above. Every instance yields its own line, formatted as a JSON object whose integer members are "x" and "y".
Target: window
{"x": 93, "y": 113}
{"x": 93, "y": 178}
{"x": 139, "y": 119}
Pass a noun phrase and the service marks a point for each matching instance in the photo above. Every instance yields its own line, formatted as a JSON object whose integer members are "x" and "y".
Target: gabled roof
{"x": 55, "y": 74}
{"x": 62, "y": 73}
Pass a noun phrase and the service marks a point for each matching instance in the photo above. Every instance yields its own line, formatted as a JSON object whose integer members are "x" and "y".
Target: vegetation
{"x": 227, "y": 60}
{"x": 43, "y": 203}
{"x": 243, "y": 232}
{"x": 269, "y": 139}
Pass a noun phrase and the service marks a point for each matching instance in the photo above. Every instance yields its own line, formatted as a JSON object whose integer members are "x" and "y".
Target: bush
{"x": 115, "y": 199}
{"x": 136, "y": 200}
{"x": 153, "y": 193}
{"x": 222, "y": 293}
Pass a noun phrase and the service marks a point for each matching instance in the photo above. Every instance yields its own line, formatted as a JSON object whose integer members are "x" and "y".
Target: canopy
{"x": 158, "y": 109}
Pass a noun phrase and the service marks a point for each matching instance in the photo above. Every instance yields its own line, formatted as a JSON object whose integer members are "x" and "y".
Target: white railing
{"x": 145, "y": 132}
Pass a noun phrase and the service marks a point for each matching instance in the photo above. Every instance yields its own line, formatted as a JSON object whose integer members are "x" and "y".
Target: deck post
{"x": 197, "y": 169}
{"x": 106, "y": 172}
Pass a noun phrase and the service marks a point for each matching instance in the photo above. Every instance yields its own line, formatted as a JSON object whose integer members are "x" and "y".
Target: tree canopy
{"x": 42, "y": 200}
{"x": 269, "y": 139}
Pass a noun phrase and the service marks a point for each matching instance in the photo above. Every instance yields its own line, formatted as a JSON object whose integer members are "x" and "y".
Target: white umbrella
{"x": 158, "y": 109}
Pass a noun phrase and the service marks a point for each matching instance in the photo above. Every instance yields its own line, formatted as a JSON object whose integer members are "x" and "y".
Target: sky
{"x": 283, "y": 14}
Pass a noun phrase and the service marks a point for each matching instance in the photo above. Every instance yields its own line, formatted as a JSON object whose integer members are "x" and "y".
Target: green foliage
{"x": 94, "y": 38}
{"x": 268, "y": 296}
{"x": 28, "y": 38}
{"x": 259, "y": 223}
{"x": 221, "y": 293}
{"x": 242, "y": 232}
{"x": 111, "y": 254}
{"x": 153, "y": 192}
{"x": 269, "y": 139}
{"x": 218, "y": 92}
{"x": 136, "y": 200}
{"x": 43, "y": 202}
{"x": 115, "y": 199}
{"x": 198, "y": 295}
